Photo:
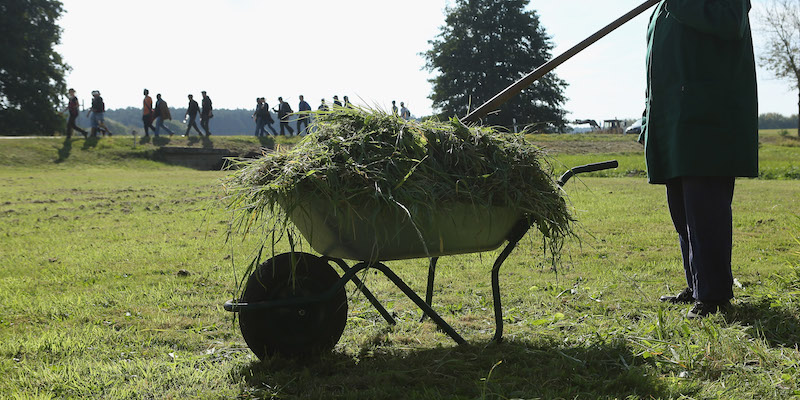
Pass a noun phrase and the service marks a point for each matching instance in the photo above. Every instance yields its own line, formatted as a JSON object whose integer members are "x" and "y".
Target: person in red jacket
{"x": 147, "y": 113}
{"x": 73, "y": 107}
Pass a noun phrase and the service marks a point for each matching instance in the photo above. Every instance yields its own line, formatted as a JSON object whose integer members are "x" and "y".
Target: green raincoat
{"x": 702, "y": 108}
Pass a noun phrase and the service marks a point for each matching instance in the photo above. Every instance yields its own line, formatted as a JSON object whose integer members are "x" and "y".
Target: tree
{"x": 484, "y": 46}
{"x": 781, "y": 20}
{"x": 31, "y": 71}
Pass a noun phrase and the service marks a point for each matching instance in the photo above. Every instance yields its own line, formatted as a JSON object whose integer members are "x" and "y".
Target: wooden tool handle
{"x": 536, "y": 74}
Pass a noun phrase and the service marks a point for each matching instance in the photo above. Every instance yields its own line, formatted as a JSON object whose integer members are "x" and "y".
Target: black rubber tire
{"x": 293, "y": 331}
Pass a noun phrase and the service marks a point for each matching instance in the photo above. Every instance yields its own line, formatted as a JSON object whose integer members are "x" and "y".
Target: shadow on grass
{"x": 64, "y": 151}
{"x": 522, "y": 369}
{"x": 90, "y": 142}
{"x": 778, "y": 325}
{"x": 207, "y": 143}
{"x": 191, "y": 140}
{"x": 266, "y": 141}
{"x": 161, "y": 140}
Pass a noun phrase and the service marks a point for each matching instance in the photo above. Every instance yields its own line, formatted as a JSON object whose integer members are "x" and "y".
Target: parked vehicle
{"x": 635, "y": 128}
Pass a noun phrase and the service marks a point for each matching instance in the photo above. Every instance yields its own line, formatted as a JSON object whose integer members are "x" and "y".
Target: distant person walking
{"x": 268, "y": 121}
{"x": 284, "y": 110}
{"x": 347, "y": 103}
{"x": 206, "y": 113}
{"x": 73, "y": 108}
{"x": 262, "y": 117}
{"x": 147, "y": 113}
{"x": 336, "y": 102}
{"x": 96, "y": 114}
{"x": 404, "y": 113}
{"x": 258, "y": 117}
{"x": 394, "y": 108}
{"x": 191, "y": 113}
{"x": 322, "y": 106}
{"x": 162, "y": 114}
{"x": 305, "y": 109}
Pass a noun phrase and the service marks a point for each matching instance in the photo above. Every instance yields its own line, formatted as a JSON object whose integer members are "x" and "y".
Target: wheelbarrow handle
{"x": 586, "y": 168}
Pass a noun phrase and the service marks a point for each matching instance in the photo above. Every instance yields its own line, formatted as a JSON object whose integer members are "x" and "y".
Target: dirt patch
{"x": 581, "y": 147}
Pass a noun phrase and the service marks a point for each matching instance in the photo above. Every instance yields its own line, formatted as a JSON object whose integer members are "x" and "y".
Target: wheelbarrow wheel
{"x": 297, "y": 330}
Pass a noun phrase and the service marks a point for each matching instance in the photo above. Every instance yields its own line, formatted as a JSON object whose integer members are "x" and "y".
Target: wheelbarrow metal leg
{"x": 517, "y": 233}
{"x": 367, "y": 293}
{"x": 429, "y": 289}
{"x": 441, "y": 323}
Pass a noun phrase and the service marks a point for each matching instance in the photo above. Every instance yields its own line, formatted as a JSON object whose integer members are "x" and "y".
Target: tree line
{"x": 777, "y": 121}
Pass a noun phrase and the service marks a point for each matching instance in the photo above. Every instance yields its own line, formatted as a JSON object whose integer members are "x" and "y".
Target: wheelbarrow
{"x": 295, "y": 304}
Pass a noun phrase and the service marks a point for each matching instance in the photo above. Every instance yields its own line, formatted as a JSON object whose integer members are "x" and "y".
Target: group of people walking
{"x": 160, "y": 113}
{"x": 264, "y": 119}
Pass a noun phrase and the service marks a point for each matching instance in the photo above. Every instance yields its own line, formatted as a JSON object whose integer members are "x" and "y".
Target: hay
{"x": 367, "y": 158}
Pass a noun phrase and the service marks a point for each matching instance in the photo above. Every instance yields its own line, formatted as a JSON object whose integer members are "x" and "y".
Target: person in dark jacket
{"x": 263, "y": 118}
{"x": 206, "y": 113}
{"x": 162, "y": 114}
{"x": 258, "y": 117}
{"x": 96, "y": 114}
{"x": 191, "y": 113}
{"x": 73, "y": 108}
{"x": 700, "y": 133}
{"x": 268, "y": 121}
{"x": 284, "y": 111}
{"x": 304, "y": 108}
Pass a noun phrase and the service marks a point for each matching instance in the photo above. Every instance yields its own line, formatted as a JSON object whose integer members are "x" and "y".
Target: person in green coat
{"x": 700, "y": 133}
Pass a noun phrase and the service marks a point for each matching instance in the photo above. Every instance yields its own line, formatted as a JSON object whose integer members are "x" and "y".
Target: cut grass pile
{"x": 368, "y": 161}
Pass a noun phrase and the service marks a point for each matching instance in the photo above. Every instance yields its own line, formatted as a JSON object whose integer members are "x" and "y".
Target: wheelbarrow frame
{"x": 350, "y": 274}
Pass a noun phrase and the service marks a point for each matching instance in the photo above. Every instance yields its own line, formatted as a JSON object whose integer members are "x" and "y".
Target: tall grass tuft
{"x": 366, "y": 158}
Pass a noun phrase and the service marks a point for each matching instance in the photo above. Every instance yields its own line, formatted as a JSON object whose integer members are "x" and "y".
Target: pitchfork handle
{"x": 536, "y": 74}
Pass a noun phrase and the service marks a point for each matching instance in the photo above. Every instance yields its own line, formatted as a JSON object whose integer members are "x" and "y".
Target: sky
{"x": 369, "y": 50}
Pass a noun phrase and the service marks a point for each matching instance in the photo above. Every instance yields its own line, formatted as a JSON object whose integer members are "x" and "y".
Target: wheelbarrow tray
{"x": 372, "y": 233}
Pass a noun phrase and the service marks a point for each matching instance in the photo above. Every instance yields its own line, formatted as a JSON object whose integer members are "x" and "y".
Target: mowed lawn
{"x": 112, "y": 280}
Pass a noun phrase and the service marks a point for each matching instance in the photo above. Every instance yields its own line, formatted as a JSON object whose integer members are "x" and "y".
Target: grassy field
{"x": 114, "y": 268}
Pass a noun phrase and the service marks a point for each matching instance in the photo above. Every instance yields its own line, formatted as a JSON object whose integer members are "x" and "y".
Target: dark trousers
{"x": 147, "y": 121}
{"x": 285, "y": 123}
{"x": 71, "y": 125}
{"x": 192, "y": 124}
{"x": 268, "y": 124}
{"x": 260, "y": 122}
{"x": 204, "y": 123}
{"x": 701, "y": 212}
{"x": 300, "y": 122}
